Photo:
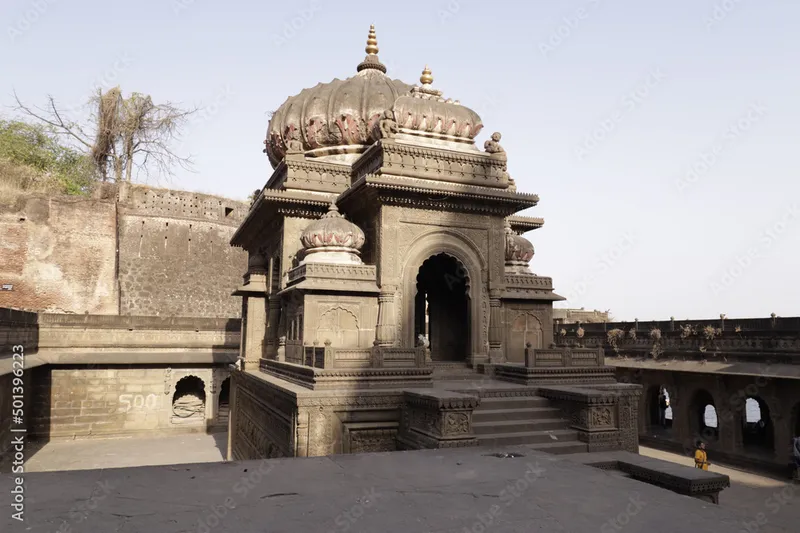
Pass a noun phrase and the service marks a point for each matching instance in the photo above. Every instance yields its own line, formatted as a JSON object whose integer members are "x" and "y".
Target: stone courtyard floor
{"x": 90, "y": 454}
{"x": 422, "y": 491}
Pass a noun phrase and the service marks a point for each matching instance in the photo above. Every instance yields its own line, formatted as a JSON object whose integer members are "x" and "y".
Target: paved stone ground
{"x": 89, "y": 454}
{"x": 439, "y": 491}
{"x": 777, "y": 501}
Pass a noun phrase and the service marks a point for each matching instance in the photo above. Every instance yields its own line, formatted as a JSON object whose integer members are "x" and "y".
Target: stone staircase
{"x": 529, "y": 420}
{"x": 455, "y": 371}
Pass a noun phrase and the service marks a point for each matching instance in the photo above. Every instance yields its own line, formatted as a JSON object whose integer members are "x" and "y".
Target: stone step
{"x": 561, "y": 448}
{"x": 518, "y": 402}
{"x": 525, "y": 413}
{"x": 518, "y": 426}
{"x": 528, "y": 437}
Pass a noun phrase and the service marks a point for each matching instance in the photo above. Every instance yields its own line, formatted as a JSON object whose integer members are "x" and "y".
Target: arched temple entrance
{"x": 442, "y": 307}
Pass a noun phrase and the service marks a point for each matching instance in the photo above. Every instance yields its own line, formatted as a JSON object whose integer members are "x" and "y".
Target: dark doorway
{"x": 441, "y": 308}
{"x": 223, "y": 410}
{"x": 757, "y": 431}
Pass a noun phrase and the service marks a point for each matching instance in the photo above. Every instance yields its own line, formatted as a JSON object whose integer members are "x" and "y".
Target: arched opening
{"x": 659, "y": 410}
{"x": 441, "y": 307}
{"x": 757, "y": 431}
{"x": 703, "y": 416}
{"x": 189, "y": 399}
{"x": 223, "y": 407}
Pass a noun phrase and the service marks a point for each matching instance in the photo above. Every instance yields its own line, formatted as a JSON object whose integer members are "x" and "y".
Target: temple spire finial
{"x": 427, "y": 76}
{"x": 371, "y": 61}
{"x": 372, "y": 42}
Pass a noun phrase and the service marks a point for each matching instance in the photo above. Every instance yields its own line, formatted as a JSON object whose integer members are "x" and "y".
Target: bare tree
{"x": 128, "y": 133}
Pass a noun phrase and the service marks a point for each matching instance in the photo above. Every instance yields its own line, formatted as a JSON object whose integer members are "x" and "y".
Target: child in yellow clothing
{"x": 701, "y": 457}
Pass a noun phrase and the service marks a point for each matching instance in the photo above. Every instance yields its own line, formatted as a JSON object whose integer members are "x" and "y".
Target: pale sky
{"x": 605, "y": 108}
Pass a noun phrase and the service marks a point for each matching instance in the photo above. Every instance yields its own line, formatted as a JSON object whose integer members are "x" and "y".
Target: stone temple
{"x": 386, "y": 260}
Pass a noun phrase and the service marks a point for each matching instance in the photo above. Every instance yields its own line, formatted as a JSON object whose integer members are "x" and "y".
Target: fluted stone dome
{"x": 332, "y": 239}
{"x": 343, "y": 116}
{"x": 519, "y": 250}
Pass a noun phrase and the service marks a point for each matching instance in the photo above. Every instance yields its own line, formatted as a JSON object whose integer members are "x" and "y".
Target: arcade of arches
{"x": 744, "y": 420}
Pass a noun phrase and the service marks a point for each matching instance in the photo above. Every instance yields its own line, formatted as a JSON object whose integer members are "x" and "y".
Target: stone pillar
{"x": 272, "y": 325}
{"x": 386, "y": 333}
{"x": 254, "y": 312}
{"x": 495, "y": 327}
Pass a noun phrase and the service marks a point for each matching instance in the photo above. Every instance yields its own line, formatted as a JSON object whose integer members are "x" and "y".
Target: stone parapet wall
{"x": 18, "y": 328}
{"x": 60, "y": 335}
{"x": 436, "y": 419}
{"x": 274, "y": 418}
{"x": 605, "y": 416}
{"x": 751, "y": 340}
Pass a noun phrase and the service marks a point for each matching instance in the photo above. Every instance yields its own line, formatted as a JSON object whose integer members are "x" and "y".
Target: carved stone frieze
{"x": 373, "y": 440}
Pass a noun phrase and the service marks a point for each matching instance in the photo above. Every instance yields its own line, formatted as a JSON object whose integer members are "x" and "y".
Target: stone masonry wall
{"x": 80, "y": 402}
{"x": 174, "y": 254}
{"x": 59, "y": 255}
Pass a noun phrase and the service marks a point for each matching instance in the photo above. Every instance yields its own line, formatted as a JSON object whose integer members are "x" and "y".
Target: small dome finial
{"x": 372, "y": 42}
{"x": 427, "y": 76}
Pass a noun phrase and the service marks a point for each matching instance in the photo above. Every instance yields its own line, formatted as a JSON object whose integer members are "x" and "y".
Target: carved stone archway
{"x": 465, "y": 252}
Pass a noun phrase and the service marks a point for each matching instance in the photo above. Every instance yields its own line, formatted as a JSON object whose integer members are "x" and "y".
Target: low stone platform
{"x": 677, "y": 478}
{"x": 503, "y": 490}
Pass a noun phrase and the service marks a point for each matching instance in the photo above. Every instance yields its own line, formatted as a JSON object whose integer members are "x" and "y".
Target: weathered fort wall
{"x": 59, "y": 255}
{"x": 143, "y": 251}
{"x": 174, "y": 254}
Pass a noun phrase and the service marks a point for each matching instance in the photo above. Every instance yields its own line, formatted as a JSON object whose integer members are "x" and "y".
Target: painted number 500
{"x": 138, "y": 401}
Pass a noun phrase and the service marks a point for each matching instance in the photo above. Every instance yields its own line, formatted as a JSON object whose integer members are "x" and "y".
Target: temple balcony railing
{"x": 563, "y": 357}
{"x": 327, "y": 356}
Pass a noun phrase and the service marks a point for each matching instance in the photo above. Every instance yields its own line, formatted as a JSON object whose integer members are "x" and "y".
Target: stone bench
{"x": 678, "y": 478}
